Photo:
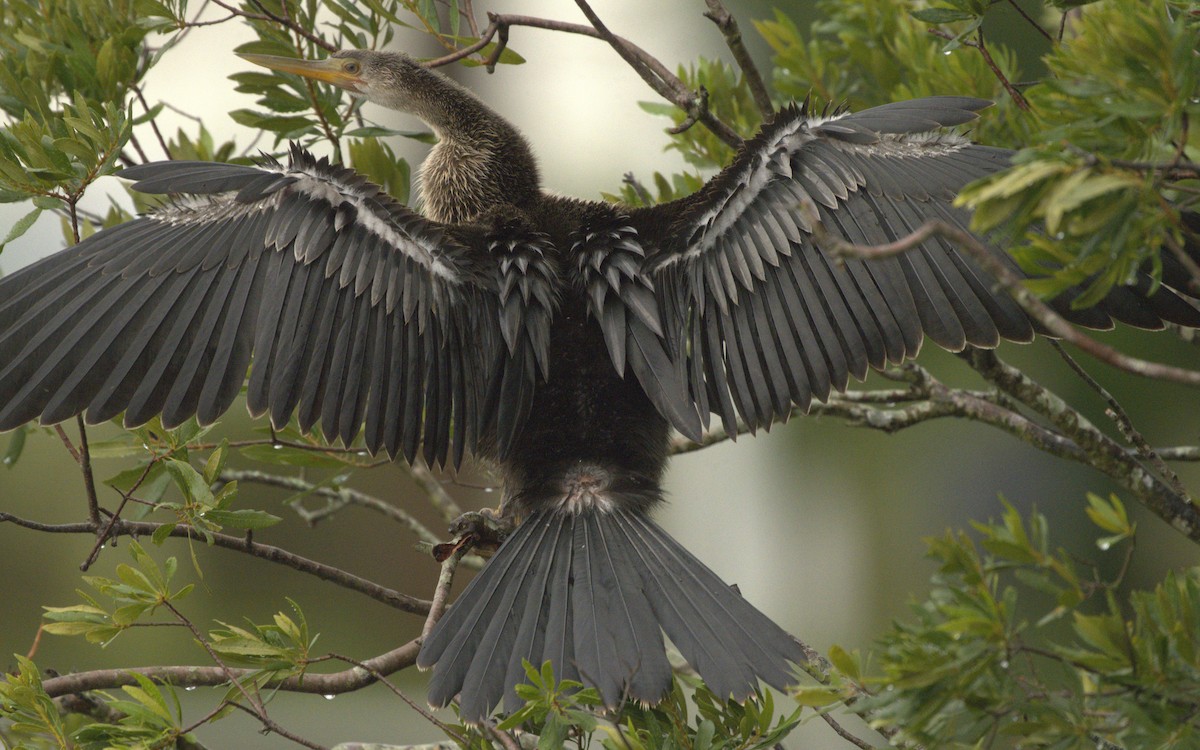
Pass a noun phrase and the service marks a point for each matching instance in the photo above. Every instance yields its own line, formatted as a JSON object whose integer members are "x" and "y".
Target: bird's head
{"x": 385, "y": 78}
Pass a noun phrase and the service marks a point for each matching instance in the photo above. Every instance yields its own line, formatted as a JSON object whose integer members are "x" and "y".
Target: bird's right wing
{"x": 763, "y": 318}
{"x": 354, "y": 310}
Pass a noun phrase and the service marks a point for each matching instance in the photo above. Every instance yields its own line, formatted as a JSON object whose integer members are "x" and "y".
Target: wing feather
{"x": 766, "y": 318}
{"x": 348, "y": 303}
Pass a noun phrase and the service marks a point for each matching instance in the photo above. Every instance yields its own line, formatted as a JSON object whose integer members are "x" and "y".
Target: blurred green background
{"x": 820, "y": 524}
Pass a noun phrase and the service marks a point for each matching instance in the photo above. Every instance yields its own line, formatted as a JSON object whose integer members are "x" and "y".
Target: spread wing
{"x": 763, "y": 319}
{"x": 355, "y": 311}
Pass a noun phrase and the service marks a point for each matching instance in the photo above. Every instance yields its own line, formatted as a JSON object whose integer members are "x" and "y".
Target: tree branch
{"x": 661, "y": 80}
{"x": 339, "y": 498}
{"x": 979, "y": 44}
{"x": 390, "y": 597}
{"x": 441, "y": 594}
{"x": 333, "y": 683}
{"x": 1102, "y": 453}
{"x": 1073, "y": 438}
{"x": 720, "y": 15}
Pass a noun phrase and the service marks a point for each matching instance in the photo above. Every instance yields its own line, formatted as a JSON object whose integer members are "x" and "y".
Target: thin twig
{"x": 332, "y": 683}
{"x": 841, "y": 731}
{"x": 270, "y": 726}
{"x": 979, "y": 44}
{"x": 503, "y": 738}
{"x": 287, "y": 23}
{"x": 162, "y": 142}
{"x": 434, "y": 490}
{"x": 106, "y": 532}
{"x": 66, "y": 441}
{"x": 339, "y": 497}
{"x": 661, "y": 80}
{"x": 1181, "y": 255}
{"x": 253, "y": 700}
{"x": 1125, "y": 424}
{"x": 449, "y": 731}
{"x": 1102, "y": 452}
{"x": 718, "y": 14}
{"x": 441, "y": 593}
{"x": 1030, "y": 19}
{"x": 337, "y": 576}
{"x": 85, "y": 465}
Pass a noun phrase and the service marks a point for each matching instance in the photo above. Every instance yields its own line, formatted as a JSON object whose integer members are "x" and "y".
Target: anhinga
{"x": 559, "y": 338}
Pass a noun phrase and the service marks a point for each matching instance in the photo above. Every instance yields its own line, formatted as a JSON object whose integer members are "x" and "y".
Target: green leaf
{"x": 288, "y": 456}
{"x": 189, "y": 481}
{"x": 849, "y": 664}
{"x": 16, "y": 444}
{"x": 216, "y": 462}
{"x": 20, "y": 227}
{"x": 162, "y": 533}
{"x": 941, "y": 15}
{"x": 1109, "y": 515}
{"x": 242, "y": 519}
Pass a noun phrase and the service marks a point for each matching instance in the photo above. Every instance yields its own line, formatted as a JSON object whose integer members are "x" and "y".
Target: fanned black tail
{"x": 593, "y": 591}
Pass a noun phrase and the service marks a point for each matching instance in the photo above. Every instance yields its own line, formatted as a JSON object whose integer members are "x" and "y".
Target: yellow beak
{"x": 330, "y": 70}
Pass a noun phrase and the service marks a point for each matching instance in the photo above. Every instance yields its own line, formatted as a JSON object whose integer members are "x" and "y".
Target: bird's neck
{"x": 480, "y": 163}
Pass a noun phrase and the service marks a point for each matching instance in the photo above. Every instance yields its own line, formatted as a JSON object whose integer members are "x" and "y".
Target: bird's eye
{"x": 352, "y": 67}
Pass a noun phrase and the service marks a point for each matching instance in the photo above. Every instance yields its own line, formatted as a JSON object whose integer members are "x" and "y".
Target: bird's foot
{"x": 484, "y": 530}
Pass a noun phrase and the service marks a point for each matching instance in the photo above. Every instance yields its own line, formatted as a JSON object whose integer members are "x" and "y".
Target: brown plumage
{"x": 559, "y": 338}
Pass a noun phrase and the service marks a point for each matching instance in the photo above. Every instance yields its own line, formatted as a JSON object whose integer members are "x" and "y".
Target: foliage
{"x": 1018, "y": 643}
{"x": 1085, "y": 196}
{"x": 1024, "y": 645}
{"x": 562, "y": 712}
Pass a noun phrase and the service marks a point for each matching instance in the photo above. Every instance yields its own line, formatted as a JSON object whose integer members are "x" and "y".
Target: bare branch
{"x": 931, "y": 399}
{"x": 333, "y": 683}
{"x": 660, "y": 79}
{"x": 1101, "y": 451}
{"x": 435, "y": 492}
{"x": 390, "y": 597}
{"x": 841, "y": 731}
{"x": 441, "y": 594}
{"x": 400, "y": 694}
{"x": 1125, "y": 424}
{"x": 288, "y": 23}
{"x": 1072, "y": 436}
{"x": 718, "y": 14}
{"x": 339, "y": 498}
{"x": 1032, "y": 22}
{"x": 979, "y": 44}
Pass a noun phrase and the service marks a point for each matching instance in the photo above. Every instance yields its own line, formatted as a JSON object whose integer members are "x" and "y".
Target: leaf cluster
{"x": 66, "y": 69}
{"x": 1092, "y": 199}
{"x": 150, "y": 716}
{"x": 139, "y": 590}
{"x": 728, "y": 98}
{"x": 862, "y": 54}
{"x": 1020, "y": 645}
{"x": 691, "y": 718}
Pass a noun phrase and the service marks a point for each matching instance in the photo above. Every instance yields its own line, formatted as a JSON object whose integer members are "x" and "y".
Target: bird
{"x": 559, "y": 340}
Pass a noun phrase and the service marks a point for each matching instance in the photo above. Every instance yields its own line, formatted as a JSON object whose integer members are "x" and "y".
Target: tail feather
{"x": 754, "y": 643}
{"x": 641, "y": 651}
{"x": 695, "y": 630}
{"x": 597, "y": 625}
{"x": 484, "y": 682}
{"x": 461, "y": 636}
{"x": 593, "y": 592}
{"x": 558, "y": 645}
{"x": 531, "y": 635}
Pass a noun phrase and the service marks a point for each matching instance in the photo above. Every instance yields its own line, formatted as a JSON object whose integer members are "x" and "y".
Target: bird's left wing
{"x": 762, "y": 318}
{"x": 355, "y": 311}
